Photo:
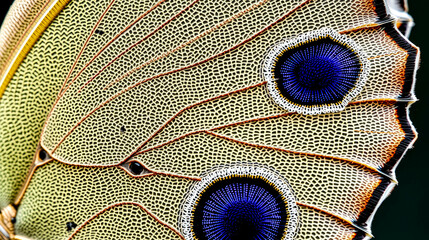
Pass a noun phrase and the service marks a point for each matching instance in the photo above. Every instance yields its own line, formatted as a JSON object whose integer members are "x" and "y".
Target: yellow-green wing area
{"x": 175, "y": 87}
{"x": 28, "y": 98}
{"x": 18, "y": 22}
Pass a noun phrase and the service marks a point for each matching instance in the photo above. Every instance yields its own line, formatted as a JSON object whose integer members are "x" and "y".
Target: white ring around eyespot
{"x": 245, "y": 170}
{"x": 270, "y": 61}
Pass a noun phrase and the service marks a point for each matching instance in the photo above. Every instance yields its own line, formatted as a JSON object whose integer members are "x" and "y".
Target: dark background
{"x": 404, "y": 215}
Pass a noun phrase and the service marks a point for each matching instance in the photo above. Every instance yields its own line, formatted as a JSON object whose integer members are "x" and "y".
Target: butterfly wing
{"x": 157, "y": 98}
{"x": 399, "y": 10}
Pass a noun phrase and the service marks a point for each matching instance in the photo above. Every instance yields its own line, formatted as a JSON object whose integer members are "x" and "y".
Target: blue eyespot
{"x": 315, "y": 73}
{"x": 240, "y": 208}
{"x": 242, "y": 202}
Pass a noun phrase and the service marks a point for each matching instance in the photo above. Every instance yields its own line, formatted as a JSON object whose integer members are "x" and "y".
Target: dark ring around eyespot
{"x": 240, "y": 207}
{"x": 225, "y": 203}
{"x": 317, "y": 72}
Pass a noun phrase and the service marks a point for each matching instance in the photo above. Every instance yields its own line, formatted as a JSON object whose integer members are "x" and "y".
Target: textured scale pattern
{"x": 177, "y": 86}
{"x": 342, "y": 182}
{"x": 19, "y": 18}
{"x": 244, "y": 201}
{"x": 127, "y": 217}
{"x": 240, "y": 210}
{"x": 23, "y": 126}
{"x": 84, "y": 192}
{"x": 318, "y": 72}
{"x": 315, "y": 67}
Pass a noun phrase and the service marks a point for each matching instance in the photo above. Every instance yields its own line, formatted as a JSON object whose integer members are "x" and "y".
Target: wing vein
{"x": 177, "y": 70}
{"x": 210, "y": 132}
{"x": 116, "y": 37}
{"x": 334, "y": 216}
{"x": 63, "y": 88}
{"x": 126, "y": 203}
{"x": 138, "y": 42}
{"x": 205, "y": 33}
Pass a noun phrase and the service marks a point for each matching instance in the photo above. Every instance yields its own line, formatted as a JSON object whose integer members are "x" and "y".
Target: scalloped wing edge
{"x": 403, "y": 104}
{"x": 399, "y": 10}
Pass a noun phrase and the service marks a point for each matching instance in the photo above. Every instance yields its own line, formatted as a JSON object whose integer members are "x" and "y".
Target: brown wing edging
{"x": 402, "y": 106}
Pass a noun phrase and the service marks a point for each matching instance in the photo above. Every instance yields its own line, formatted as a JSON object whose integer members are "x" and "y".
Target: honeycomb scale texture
{"x": 20, "y": 16}
{"x": 30, "y": 95}
{"x": 176, "y": 86}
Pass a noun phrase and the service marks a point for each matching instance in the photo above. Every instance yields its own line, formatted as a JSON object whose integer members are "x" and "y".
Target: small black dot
{"x": 13, "y": 220}
{"x": 43, "y": 155}
{"x": 136, "y": 168}
{"x": 71, "y": 226}
{"x": 99, "y": 32}
{"x": 123, "y": 129}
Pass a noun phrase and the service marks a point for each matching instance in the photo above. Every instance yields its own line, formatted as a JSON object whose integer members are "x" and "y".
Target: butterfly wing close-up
{"x": 202, "y": 119}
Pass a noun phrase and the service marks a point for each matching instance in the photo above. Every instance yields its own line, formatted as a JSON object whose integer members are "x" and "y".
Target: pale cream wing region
{"x": 176, "y": 87}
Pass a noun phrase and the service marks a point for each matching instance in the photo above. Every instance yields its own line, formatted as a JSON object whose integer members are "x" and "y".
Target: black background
{"x": 404, "y": 215}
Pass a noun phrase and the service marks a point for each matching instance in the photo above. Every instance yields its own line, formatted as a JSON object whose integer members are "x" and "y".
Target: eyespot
{"x": 243, "y": 202}
{"x": 317, "y": 72}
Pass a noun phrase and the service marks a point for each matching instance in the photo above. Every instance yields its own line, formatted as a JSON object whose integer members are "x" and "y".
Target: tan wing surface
{"x": 121, "y": 108}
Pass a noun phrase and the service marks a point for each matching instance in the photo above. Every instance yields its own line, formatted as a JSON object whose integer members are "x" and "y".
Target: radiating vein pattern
{"x": 32, "y": 91}
{"x": 237, "y": 69}
{"x": 176, "y": 87}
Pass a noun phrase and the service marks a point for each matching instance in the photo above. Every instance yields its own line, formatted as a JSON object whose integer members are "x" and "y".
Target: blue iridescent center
{"x": 319, "y": 72}
{"x": 240, "y": 208}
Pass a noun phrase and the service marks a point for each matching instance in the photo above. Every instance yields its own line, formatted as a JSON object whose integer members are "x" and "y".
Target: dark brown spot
{"x": 71, "y": 226}
{"x": 136, "y": 168}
